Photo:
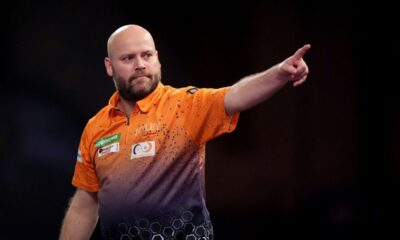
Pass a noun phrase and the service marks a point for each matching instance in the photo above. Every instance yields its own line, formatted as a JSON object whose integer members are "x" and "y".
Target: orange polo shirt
{"x": 148, "y": 168}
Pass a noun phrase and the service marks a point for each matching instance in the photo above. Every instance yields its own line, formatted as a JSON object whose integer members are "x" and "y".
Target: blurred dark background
{"x": 321, "y": 161}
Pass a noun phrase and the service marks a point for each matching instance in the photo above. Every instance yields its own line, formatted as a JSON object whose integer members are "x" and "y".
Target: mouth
{"x": 141, "y": 78}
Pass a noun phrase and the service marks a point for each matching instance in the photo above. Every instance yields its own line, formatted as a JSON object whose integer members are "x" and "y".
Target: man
{"x": 140, "y": 164}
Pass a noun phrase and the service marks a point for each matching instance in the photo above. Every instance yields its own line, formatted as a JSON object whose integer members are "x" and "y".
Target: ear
{"x": 158, "y": 60}
{"x": 108, "y": 65}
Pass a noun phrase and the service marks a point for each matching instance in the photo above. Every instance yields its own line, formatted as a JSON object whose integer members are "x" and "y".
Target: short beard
{"x": 130, "y": 94}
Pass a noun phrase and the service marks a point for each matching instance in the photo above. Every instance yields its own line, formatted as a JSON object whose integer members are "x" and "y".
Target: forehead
{"x": 133, "y": 46}
{"x": 131, "y": 43}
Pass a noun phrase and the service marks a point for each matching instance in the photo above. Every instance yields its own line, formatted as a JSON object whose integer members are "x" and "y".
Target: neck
{"x": 125, "y": 106}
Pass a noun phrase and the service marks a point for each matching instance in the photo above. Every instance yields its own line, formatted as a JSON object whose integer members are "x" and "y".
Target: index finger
{"x": 301, "y": 51}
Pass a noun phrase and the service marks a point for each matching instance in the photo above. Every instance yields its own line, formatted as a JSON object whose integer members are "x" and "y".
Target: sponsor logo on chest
{"x": 143, "y": 149}
{"x": 108, "y": 149}
{"x": 147, "y": 129}
{"x": 107, "y": 144}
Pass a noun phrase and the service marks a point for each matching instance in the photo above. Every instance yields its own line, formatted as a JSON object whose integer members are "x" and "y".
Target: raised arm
{"x": 254, "y": 89}
{"x": 81, "y": 217}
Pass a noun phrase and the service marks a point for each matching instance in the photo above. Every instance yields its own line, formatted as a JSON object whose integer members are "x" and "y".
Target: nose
{"x": 139, "y": 63}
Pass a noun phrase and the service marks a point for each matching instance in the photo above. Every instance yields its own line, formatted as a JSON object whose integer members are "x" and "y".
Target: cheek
{"x": 155, "y": 68}
{"x": 122, "y": 71}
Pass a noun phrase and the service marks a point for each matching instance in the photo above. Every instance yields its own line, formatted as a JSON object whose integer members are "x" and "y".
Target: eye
{"x": 127, "y": 58}
{"x": 147, "y": 55}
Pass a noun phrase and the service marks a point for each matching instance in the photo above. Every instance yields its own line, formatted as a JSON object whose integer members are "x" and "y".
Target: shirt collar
{"x": 144, "y": 104}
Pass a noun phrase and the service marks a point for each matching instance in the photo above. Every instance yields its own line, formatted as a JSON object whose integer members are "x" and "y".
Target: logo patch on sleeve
{"x": 143, "y": 149}
{"x": 192, "y": 90}
{"x": 79, "y": 157}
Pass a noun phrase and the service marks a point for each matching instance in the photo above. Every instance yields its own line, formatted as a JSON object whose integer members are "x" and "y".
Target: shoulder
{"x": 100, "y": 119}
{"x": 197, "y": 91}
{"x": 193, "y": 92}
{"x": 179, "y": 92}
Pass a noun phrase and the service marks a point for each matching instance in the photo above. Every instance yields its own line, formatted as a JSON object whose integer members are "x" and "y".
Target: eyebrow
{"x": 145, "y": 51}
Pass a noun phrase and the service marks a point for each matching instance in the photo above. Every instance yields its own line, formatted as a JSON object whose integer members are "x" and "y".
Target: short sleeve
{"x": 208, "y": 118}
{"x": 85, "y": 174}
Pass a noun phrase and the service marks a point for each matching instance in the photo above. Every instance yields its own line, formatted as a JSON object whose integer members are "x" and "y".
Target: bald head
{"x": 127, "y": 37}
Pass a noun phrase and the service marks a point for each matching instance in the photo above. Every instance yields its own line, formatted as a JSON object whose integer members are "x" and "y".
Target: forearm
{"x": 80, "y": 220}
{"x": 252, "y": 90}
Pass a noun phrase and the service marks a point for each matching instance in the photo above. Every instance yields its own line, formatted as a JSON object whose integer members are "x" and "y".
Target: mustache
{"x": 143, "y": 73}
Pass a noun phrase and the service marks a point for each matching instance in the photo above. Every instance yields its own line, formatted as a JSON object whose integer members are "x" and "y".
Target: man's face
{"x": 135, "y": 77}
{"x": 134, "y": 66}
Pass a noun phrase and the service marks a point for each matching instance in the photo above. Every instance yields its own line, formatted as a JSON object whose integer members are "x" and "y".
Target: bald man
{"x": 141, "y": 158}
